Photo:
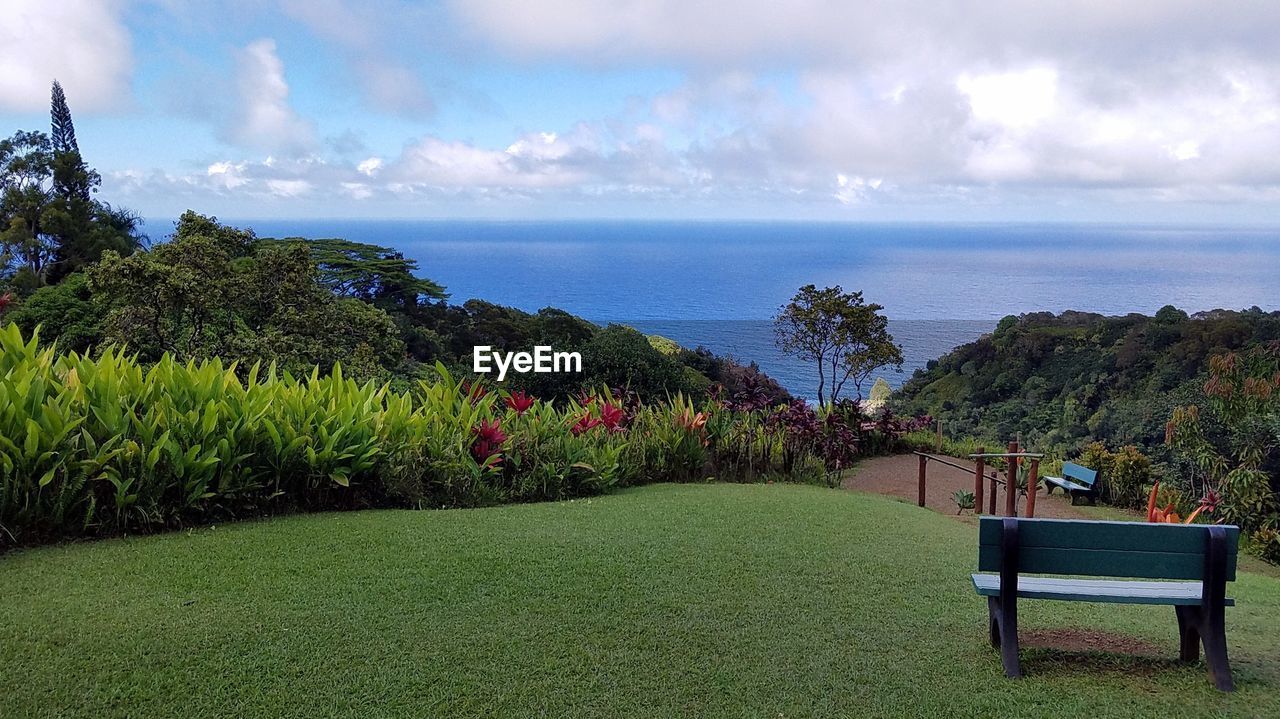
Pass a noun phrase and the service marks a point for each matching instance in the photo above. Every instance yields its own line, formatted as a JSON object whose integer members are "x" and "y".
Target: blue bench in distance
{"x": 1197, "y": 560}
{"x": 1077, "y": 481}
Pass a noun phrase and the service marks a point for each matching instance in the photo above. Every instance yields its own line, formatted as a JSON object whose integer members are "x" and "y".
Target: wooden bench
{"x": 1077, "y": 481}
{"x": 1202, "y": 556}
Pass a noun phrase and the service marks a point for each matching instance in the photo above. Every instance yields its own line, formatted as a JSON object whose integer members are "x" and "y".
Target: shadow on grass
{"x": 1084, "y": 652}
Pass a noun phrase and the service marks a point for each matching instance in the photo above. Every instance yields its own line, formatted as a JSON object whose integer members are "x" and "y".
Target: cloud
{"x": 81, "y": 43}
{"x": 361, "y": 32}
{"x": 829, "y": 106}
{"x": 1149, "y": 96}
{"x": 263, "y": 118}
{"x": 814, "y": 33}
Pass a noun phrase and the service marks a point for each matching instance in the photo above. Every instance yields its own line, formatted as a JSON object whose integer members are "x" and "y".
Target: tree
{"x": 64, "y": 131}
{"x": 619, "y": 356}
{"x": 72, "y": 180}
{"x": 26, "y": 247}
{"x": 210, "y": 293}
{"x": 378, "y": 275}
{"x": 64, "y": 313}
{"x": 50, "y": 225}
{"x": 847, "y": 338}
{"x": 1233, "y": 436}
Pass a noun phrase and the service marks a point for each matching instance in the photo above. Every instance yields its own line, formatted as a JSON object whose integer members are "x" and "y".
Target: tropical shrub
{"x": 106, "y": 444}
{"x": 1124, "y": 475}
{"x": 1230, "y": 438}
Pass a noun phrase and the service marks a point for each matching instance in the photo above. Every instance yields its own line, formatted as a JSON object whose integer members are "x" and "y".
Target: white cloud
{"x": 851, "y": 190}
{"x": 228, "y": 175}
{"x": 1015, "y": 100}
{"x": 263, "y": 118}
{"x": 288, "y": 188}
{"x": 81, "y": 43}
{"x": 740, "y": 34}
{"x": 825, "y": 104}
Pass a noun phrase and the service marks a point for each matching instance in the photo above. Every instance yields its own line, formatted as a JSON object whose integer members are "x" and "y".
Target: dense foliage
{"x": 1063, "y": 381}
{"x": 1193, "y": 402}
{"x": 1231, "y": 441}
{"x": 92, "y": 445}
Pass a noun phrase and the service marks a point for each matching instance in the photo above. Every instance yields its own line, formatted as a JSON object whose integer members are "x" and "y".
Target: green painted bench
{"x": 1076, "y": 481}
{"x": 1197, "y": 560}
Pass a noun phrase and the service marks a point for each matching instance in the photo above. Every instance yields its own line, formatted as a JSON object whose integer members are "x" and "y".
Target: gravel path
{"x": 896, "y": 476}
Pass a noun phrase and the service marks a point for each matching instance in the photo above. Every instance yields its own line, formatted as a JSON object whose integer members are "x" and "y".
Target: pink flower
{"x": 520, "y": 402}
{"x": 488, "y": 442}
{"x": 585, "y": 423}
{"x": 612, "y": 417}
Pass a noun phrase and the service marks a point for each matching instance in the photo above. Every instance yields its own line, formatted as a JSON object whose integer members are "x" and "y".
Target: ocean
{"x": 717, "y": 284}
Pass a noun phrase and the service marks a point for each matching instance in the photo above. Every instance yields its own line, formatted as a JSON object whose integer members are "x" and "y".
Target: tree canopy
{"x": 50, "y": 223}
{"x": 847, "y": 338}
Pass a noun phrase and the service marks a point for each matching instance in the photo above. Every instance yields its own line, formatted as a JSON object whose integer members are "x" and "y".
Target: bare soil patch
{"x": 897, "y": 476}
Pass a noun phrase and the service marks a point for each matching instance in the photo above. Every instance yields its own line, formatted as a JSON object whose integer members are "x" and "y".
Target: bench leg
{"x": 1188, "y": 634}
{"x": 1003, "y": 622}
{"x": 1214, "y": 635}
{"x": 993, "y": 623}
{"x": 1206, "y": 625}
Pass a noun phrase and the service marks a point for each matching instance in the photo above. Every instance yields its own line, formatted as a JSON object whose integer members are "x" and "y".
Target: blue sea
{"x": 717, "y": 284}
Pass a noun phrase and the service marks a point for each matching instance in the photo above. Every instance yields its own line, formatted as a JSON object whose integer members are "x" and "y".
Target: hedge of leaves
{"x": 103, "y": 445}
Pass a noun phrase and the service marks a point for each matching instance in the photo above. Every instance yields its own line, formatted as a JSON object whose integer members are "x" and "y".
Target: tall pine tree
{"x": 81, "y": 227}
{"x": 72, "y": 180}
{"x": 64, "y": 131}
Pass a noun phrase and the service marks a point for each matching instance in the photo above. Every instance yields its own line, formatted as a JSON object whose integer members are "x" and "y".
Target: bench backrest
{"x": 1083, "y": 475}
{"x": 1106, "y": 549}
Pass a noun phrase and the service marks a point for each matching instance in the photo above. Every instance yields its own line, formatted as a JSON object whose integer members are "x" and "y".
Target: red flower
{"x": 520, "y": 402}
{"x": 585, "y": 423}
{"x": 5, "y": 300}
{"x": 612, "y": 417}
{"x": 586, "y": 400}
{"x": 475, "y": 392}
{"x": 488, "y": 442}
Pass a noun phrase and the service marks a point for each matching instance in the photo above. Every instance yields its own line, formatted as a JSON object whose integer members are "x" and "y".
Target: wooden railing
{"x": 1013, "y": 459}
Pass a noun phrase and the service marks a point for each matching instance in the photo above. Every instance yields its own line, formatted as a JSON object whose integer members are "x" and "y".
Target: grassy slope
{"x": 717, "y": 600}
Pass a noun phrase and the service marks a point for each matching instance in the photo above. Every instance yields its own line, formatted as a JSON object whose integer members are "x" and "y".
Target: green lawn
{"x": 710, "y": 600}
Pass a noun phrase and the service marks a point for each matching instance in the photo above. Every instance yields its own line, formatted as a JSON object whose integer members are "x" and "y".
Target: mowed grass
{"x": 708, "y": 600}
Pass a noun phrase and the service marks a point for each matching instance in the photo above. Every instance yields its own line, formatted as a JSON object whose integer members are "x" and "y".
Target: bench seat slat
{"x": 1067, "y": 484}
{"x": 1097, "y": 590}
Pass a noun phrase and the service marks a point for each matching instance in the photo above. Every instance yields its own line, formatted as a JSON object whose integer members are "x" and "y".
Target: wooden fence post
{"x": 991, "y": 498}
{"x": 1033, "y": 480}
{"x": 977, "y": 481}
{"x": 924, "y": 462}
{"x": 1011, "y": 483}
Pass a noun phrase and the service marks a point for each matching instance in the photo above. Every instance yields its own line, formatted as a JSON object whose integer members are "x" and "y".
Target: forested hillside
{"x": 1061, "y": 381}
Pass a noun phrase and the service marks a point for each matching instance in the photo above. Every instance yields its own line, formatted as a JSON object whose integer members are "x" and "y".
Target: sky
{"x": 1152, "y": 111}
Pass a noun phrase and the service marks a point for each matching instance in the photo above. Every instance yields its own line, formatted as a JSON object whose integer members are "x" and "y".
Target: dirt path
{"x": 896, "y": 476}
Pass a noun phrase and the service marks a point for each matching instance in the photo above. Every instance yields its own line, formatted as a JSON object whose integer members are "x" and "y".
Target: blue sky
{"x": 998, "y": 110}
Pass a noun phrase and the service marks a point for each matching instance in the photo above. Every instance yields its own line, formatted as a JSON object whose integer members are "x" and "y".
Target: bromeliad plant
{"x": 1167, "y": 515}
